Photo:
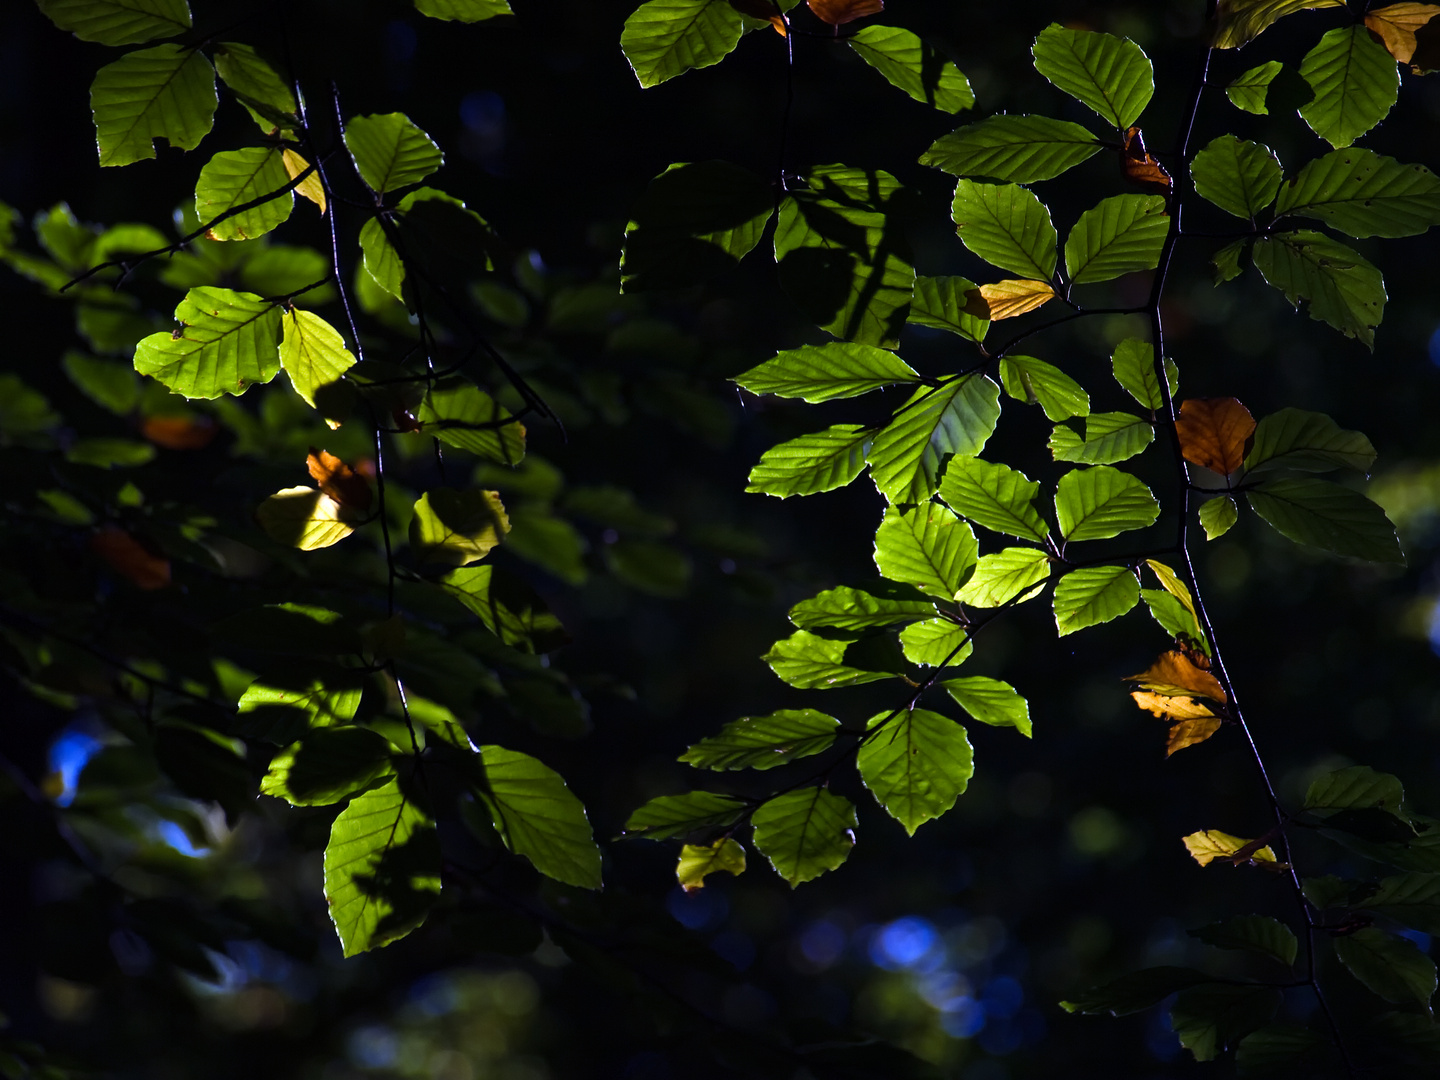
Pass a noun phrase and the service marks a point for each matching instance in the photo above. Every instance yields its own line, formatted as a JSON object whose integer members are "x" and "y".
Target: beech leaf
{"x": 699, "y": 860}
{"x": 1213, "y": 433}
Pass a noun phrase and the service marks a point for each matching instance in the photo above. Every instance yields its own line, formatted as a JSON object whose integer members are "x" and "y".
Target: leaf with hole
{"x": 166, "y": 92}
{"x": 1363, "y": 193}
{"x": 1355, "y": 83}
{"x": 1341, "y": 288}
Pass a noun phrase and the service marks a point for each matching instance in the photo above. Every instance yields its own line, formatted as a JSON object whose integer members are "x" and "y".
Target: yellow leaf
{"x": 1171, "y": 583}
{"x": 1210, "y": 844}
{"x": 310, "y": 187}
{"x": 1190, "y": 733}
{"x": 457, "y": 527}
{"x": 1172, "y": 708}
{"x": 1007, "y": 299}
{"x": 1176, "y": 675}
{"x": 1397, "y": 24}
{"x": 304, "y": 518}
{"x": 698, "y": 860}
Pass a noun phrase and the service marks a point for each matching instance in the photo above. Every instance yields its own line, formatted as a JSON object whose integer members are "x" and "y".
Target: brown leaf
{"x": 404, "y": 421}
{"x": 179, "y": 432}
{"x": 131, "y": 558}
{"x": 311, "y": 187}
{"x": 1141, "y": 167}
{"x": 840, "y": 12}
{"x": 1176, "y": 675}
{"x": 1213, "y": 432}
{"x": 1007, "y": 299}
{"x": 336, "y": 479}
{"x": 1190, "y": 733}
{"x": 1397, "y": 25}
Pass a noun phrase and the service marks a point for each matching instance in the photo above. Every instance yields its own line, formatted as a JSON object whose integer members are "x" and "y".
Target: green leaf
{"x": 939, "y": 303}
{"x": 1249, "y": 90}
{"x": 437, "y": 232}
{"x": 382, "y": 261}
{"x": 312, "y": 352}
{"x": 1362, "y": 193}
{"x": 815, "y": 373}
{"x": 1109, "y": 437}
{"x": 1121, "y": 235}
{"x": 1135, "y": 992}
{"x": 327, "y": 765}
{"x": 650, "y": 566}
{"x": 1133, "y": 363}
{"x": 109, "y": 383}
{"x": 166, "y": 92}
{"x": 1355, "y": 82}
{"x": 1098, "y": 503}
{"x": 1215, "y": 1017}
{"x": 840, "y": 255}
{"x": 1218, "y": 515}
{"x": 956, "y": 419}
{"x": 1038, "y": 383}
{"x": 226, "y": 341}
{"x": 549, "y": 542}
{"x": 763, "y": 742}
{"x": 994, "y": 495}
{"x": 1255, "y": 933}
{"x": 1342, "y": 288}
{"x": 390, "y": 151}
{"x": 672, "y": 817}
{"x": 991, "y": 701}
{"x": 665, "y": 38}
{"x": 268, "y": 98}
{"x": 926, "y": 546}
{"x": 1412, "y": 899}
{"x": 508, "y": 607}
{"x": 694, "y": 221}
{"x": 1357, "y": 787}
{"x": 382, "y": 868}
{"x": 805, "y": 833}
{"x": 1111, "y": 75}
{"x": 844, "y": 608}
{"x": 1014, "y": 148}
{"x": 457, "y": 527}
{"x": 1276, "y": 1050}
{"x": 305, "y": 518}
{"x": 1306, "y": 442}
{"x": 697, "y": 861}
{"x": 1006, "y": 225}
{"x": 459, "y": 413}
{"x": 1173, "y": 616}
{"x": 936, "y": 643}
{"x": 1001, "y": 577}
{"x": 1242, "y": 178}
{"x": 1389, "y": 966}
{"x": 1241, "y": 21}
{"x": 1328, "y": 516}
{"x": 467, "y": 11}
{"x": 1092, "y": 595}
{"x": 538, "y": 816}
{"x": 118, "y": 22}
{"x": 282, "y": 713}
{"x": 908, "y": 63}
{"x": 824, "y": 461}
{"x": 916, "y": 764}
{"x": 809, "y": 662}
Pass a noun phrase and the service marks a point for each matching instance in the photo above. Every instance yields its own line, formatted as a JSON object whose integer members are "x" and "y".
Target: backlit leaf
{"x": 1213, "y": 432}
{"x": 1028, "y": 379}
{"x": 809, "y": 662}
{"x": 166, "y": 92}
{"x": 1133, "y": 364}
{"x": 1092, "y": 595}
{"x": 943, "y": 303}
{"x": 467, "y": 11}
{"x": 805, "y": 833}
{"x": 1006, "y": 225}
{"x": 699, "y": 860}
{"x": 1014, "y": 148}
{"x": 908, "y": 63}
{"x": 312, "y": 352}
{"x": 382, "y": 868}
{"x": 665, "y": 38}
{"x": 1239, "y": 21}
{"x": 670, "y": 817}
{"x": 310, "y": 705}
{"x": 538, "y": 816}
{"x": 1254, "y": 933}
{"x": 1211, "y": 1018}
{"x": 118, "y": 22}
{"x": 508, "y": 607}
{"x": 1390, "y": 966}
{"x": 1242, "y": 178}
{"x": 1121, "y": 235}
{"x": 1217, "y": 516}
{"x": 815, "y": 373}
{"x": 840, "y": 12}
{"x": 327, "y": 765}
{"x": 1307, "y": 442}
{"x": 305, "y": 518}
{"x": 1412, "y": 899}
{"x": 1341, "y": 287}
{"x": 936, "y": 642}
{"x": 1142, "y": 168}
{"x": 1101, "y": 502}
{"x": 844, "y": 608}
{"x": 390, "y": 151}
{"x": 337, "y": 480}
{"x": 310, "y": 188}
{"x": 226, "y": 341}
{"x": 1177, "y": 618}
{"x": 907, "y": 456}
{"x": 1109, "y": 437}
{"x": 1000, "y": 577}
{"x": 1249, "y": 90}
{"x": 994, "y": 495}
{"x": 234, "y": 177}
{"x": 812, "y": 463}
{"x": 1010, "y": 298}
{"x": 460, "y": 414}
{"x": 1171, "y": 583}
{"x": 1210, "y": 844}
{"x": 1355, "y": 84}
{"x": 1397, "y": 23}
{"x": 1328, "y": 516}
{"x": 1357, "y": 787}
{"x": 763, "y": 742}
{"x": 916, "y": 764}
{"x": 1176, "y": 674}
{"x": 991, "y": 701}
{"x": 1362, "y": 193}
{"x": 268, "y": 98}
{"x": 457, "y": 527}
{"x": 926, "y": 546}
{"x": 1111, "y": 75}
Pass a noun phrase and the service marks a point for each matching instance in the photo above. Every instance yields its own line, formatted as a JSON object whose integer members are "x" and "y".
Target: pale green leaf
{"x": 1109, "y": 437}
{"x": 1014, "y": 148}
{"x": 1389, "y": 966}
{"x": 1249, "y": 90}
{"x": 812, "y": 463}
{"x": 816, "y": 373}
{"x": 508, "y": 607}
{"x": 382, "y": 868}
{"x": 1329, "y": 516}
{"x": 844, "y": 608}
{"x": 226, "y": 342}
{"x": 460, "y": 414}
{"x": 1242, "y": 178}
{"x": 1098, "y": 503}
{"x": 1006, "y": 225}
{"x": 1362, "y": 193}
{"x": 118, "y": 22}
{"x": 936, "y": 643}
{"x": 1093, "y": 595}
{"x": 109, "y": 383}
{"x": 665, "y": 38}
{"x": 166, "y": 92}
{"x": 1240, "y": 21}
{"x": 805, "y": 833}
{"x": 1254, "y": 933}
{"x": 1218, "y": 515}
{"x": 1121, "y": 235}
{"x": 670, "y": 817}
{"x": 1341, "y": 287}
{"x": 1001, "y": 577}
{"x": 312, "y": 353}
{"x": 926, "y": 546}
{"x": 994, "y": 495}
{"x": 1133, "y": 363}
{"x": 1174, "y": 617}
{"x": 763, "y": 742}
{"x": 992, "y": 702}
{"x": 1355, "y": 83}
{"x": 305, "y": 518}
{"x": 916, "y": 764}
{"x": 268, "y": 98}
{"x": 1307, "y": 442}
{"x": 697, "y": 861}
{"x": 327, "y": 765}
{"x": 457, "y": 527}
{"x": 940, "y": 303}
{"x": 390, "y": 151}
{"x": 911, "y": 65}
{"x": 467, "y": 11}
{"x": 906, "y": 458}
{"x": 382, "y": 261}
{"x": 296, "y": 708}
{"x": 1225, "y": 263}
{"x": 1111, "y": 75}
{"x": 1038, "y": 383}
{"x": 538, "y": 816}
{"x": 809, "y": 662}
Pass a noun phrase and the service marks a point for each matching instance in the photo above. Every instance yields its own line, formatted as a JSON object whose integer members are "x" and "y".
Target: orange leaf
{"x": 1176, "y": 675}
{"x": 131, "y": 558}
{"x": 1397, "y": 25}
{"x": 338, "y": 480}
{"x": 1007, "y": 299}
{"x": 179, "y": 432}
{"x": 310, "y": 187}
{"x": 840, "y": 12}
{"x": 779, "y": 24}
{"x": 1141, "y": 167}
{"x": 1190, "y": 732}
{"x": 1213, "y": 432}
{"x": 1171, "y": 707}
